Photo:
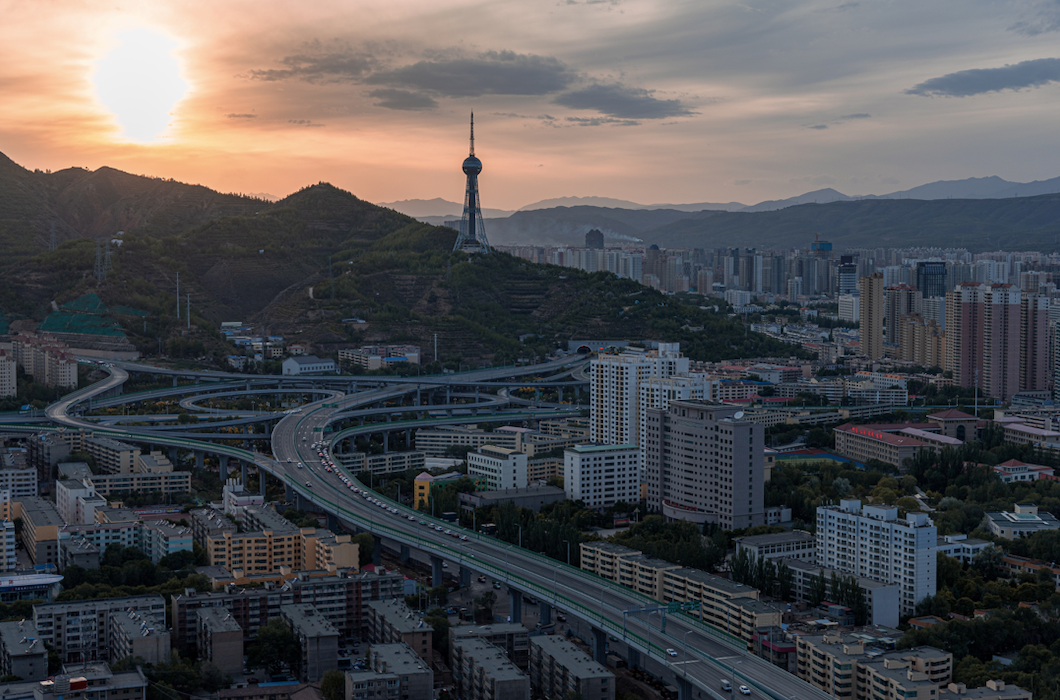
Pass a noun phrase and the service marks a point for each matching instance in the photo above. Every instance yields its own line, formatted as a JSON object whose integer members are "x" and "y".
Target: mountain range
{"x": 992, "y": 187}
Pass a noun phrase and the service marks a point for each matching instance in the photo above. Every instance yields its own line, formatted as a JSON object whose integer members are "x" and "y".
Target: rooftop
{"x": 398, "y": 615}
{"x": 487, "y": 630}
{"x": 307, "y": 621}
{"x": 20, "y": 638}
{"x": 716, "y": 582}
{"x": 775, "y": 538}
{"x": 490, "y": 659}
{"x": 869, "y": 431}
{"x": 217, "y": 620}
{"x": 576, "y": 661}
{"x": 396, "y": 658}
{"x": 136, "y": 624}
{"x": 41, "y": 512}
{"x": 588, "y": 449}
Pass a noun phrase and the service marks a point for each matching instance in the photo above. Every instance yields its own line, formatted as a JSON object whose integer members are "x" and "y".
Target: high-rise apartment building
{"x": 871, "y": 335}
{"x": 900, "y": 300}
{"x": 1001, "y": 347}
{"x": 614, "y": 390}
{"x": 1034, "y": 342}
{"x": 964, "y": 333}
{"x": 871, "y": 542}
{"x": 920, "y": 341}
{"x": 705, "y": 464}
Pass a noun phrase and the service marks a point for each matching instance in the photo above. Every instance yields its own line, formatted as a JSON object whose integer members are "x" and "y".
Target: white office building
{"x": 614, "y": 390}
{"x": 22, "y": 483}
{"x": 502, "y": 468}
{"x": 871, "y": 542}
{"x": 601, "y": 475}
{"x": 850, "y": 308}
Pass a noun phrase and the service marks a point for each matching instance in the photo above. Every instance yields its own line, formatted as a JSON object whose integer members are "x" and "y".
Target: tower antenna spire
{"x": 471, "y": 236}
{"x": 472, "y": 152}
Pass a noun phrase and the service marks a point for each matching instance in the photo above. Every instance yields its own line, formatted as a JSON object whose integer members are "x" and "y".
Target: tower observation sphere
{"x": 472, "y": 233}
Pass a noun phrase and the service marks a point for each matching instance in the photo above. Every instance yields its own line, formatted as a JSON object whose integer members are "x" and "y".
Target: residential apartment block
{"x": 219, "y": 639}
{"x": 500, "y": 467}
{"x": 557, "y": 668}
{"x": 81, "y": 630}
{"x": 705, "y": 464}
{"x": 614, "y": 390}
{"x": 796, "y": 544}
{"x": 317, "y": 639}
{"x": 394, "y": 670}
{"x": 392, "y": 622}
{"x": 881, "y": 598}
{"x": 870, "y": 542}
{"x": 511, "y": 637}
{"x": 481, "y": 671}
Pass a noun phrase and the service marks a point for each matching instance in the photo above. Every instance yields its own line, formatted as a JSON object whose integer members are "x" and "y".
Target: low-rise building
{"x": 602, "y": 475}
{"x": 502, "y": 468}
{"x": 435, "y": 441}
{"x": 219, "y": 639}
{"x": 93, "y": 681}
{"x": 112, "y": 456}
{"x": 386, "y": 463}
{"x": 392, "y": 622}
{"x": 309, "y": 364}
{"x": 557, "y": 668}
{"x": 881, "y": 598}
{"x": 482, "y": 671}
{"x": 77, "y": 551}
{"x": 1015, "y": 470}
{"x": 961, "y": 547}
{"x": 165, "y": 483}
{"x": 394, "y": 670}
{"x": 993, "y": 690}
{"x": 533, "y": 497}
{"x": 796, "y": 544}
{"x": 1023, "y": 521}
{"x": 865, "y": 442}
{"x": 317, "y": 638}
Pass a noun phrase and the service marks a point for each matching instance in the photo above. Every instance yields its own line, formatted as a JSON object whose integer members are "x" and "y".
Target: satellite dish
{"x": 738, "y": 415}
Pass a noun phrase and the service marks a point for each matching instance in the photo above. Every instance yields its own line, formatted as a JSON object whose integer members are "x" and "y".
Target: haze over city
{"x": 645, "y": 101}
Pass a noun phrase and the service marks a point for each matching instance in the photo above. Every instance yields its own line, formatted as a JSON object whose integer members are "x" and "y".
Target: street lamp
{"x": 684, "y": 643}
{"x": 732, "y": 667}
{"x": 520, "y": 535}
{"x": 649, "y": 630}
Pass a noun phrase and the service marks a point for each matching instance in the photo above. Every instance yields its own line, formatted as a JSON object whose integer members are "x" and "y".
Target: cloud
{"x": 742, "y": 182}
{"x": 860, "y": 115}
{"x": 488, "y": 73}
{"x": 304, "y": 122}
{"x": 844, "y": 7}
{"x": 241, "y": 116}
{"x": 1047, "y": 20}
{"x": 976, "y": 81}
{"x": 624, "y": 102}
{"x": 600, "y": 121}
{"x": 326, "y": 68}
{"x": 819, "y": 127}
{"x": 402, "y": 99}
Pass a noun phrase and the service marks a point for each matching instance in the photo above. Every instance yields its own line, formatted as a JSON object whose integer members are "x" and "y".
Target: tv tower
{"x": 472, "y": 238}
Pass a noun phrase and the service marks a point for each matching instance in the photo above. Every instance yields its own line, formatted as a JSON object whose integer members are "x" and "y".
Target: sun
{"x": 139, "y": 81}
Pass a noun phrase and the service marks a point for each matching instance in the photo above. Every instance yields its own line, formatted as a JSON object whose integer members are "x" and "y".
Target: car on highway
{"x": 412, "y": 517}
{"x": 671, "y": 652}
{"x": 726, "y": 686}
{"x": 288, "y": 460}
{"x": 309, "y": 484}
{"x": 463, "y": 538}
{"x": 744, "y": 690}
{"x": 300, "y": 465}
{"x": 481, "y": 579}
{"x": 424, "y": 522}
{"x": 497, "y": 585}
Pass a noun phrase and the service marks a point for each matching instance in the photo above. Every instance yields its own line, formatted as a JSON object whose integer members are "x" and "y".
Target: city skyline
{"x": 643, "y": 101}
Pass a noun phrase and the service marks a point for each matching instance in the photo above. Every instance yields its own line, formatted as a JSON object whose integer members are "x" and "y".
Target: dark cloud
{"x": 622, "y": 102}
{"x": 402, "y": 99}
{"x": 241, "y": 116}
{"x": 489, "y": 73}
{"x": 600, "y": 121}
{"x": 818, "y": 126}
{"x": 860, "y": 115}
{"x": 976, "y": 81}
{"x": 325, "y": 68}
{"x": 304, "y": 122}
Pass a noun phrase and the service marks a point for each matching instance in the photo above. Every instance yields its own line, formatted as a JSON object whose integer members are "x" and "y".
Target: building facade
{"x": 602, "y": 475}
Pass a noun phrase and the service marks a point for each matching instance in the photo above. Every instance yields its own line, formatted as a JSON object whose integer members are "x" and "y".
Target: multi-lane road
{"x": 699, "y": 657}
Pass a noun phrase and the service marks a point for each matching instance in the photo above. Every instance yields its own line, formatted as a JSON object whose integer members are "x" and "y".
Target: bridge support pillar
{"x": 288, "y": 493}
{"x": 386, "y": 442}
{"x": 437, "y": 572}
{"x": 174, "y": 381}
{"x": 333, "y": 523}
{"x": 243, "y": 473}
{"x": 516, "y": 598}
{"x": 684, "y": 688}
{"x": 172, "y": 453}
{"x": 559, "y": 390}
{"x": 545, "y": 614}
{"x": 600, "y": 646}
{"x": 377, "y": 550}
{"x": 465, "y": 577}
{"x": 262, "y": 481}
{"x": 405, "y": 553}
{"x": 222, "y": 466}
{"x": 408, "y": 438}
{"x": 200, "y": 460}
{"x": 300, "y": 502}
{"x": 634, "y": 657}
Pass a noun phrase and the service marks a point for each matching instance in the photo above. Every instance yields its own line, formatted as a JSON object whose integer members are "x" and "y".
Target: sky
{"x": 654, "y": 101}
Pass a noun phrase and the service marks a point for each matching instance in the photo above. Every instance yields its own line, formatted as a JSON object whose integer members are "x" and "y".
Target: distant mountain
{"x": 816, "y": 197}
{"x": 1021, "y": 223}
{"x": 264, "y": 195}
{"x": 992, "y": 187}
{"x": 437, "y": 208}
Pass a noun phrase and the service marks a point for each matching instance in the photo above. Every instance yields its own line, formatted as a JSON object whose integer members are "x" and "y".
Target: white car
{"x": 671, "y": 652}
{"x": 744, "y": 690}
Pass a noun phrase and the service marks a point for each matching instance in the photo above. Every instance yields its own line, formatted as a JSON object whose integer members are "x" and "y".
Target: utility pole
{"x": 178, "y": 295}
{"x": 189, "y": 310}
{"x": 435, "y": 347}
{"x": 331, "y": 279}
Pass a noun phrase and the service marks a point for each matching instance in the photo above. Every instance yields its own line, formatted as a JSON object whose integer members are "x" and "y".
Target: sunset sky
{"x": 656, "y": 101}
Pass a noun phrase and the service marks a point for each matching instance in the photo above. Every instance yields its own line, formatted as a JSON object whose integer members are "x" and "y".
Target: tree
{"x": 818, "y": 589}
{"x": 785, "y": 581}
{"x": 365, "y": 547}
{"x": 988, "y": 561}
{"x": 212, "y": 678}
{"x": 333, "y": 684}
{"x": 274, "y": 647}
{"x": 485, "y": 603}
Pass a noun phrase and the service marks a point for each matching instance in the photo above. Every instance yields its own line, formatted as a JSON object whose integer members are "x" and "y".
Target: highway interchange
{"x": 692, "y": 655}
